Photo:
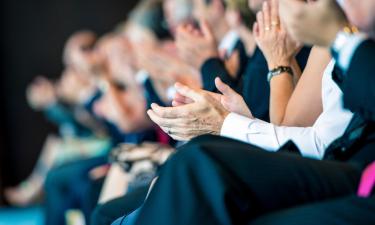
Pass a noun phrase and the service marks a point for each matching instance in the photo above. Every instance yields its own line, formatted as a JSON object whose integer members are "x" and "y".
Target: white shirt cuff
{"x": 253, "y": 131}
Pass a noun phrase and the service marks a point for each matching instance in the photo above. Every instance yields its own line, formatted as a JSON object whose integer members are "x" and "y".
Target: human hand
{"x": 315, "y": 23}
{"x": 118, "y": 56}
{"x": 74, "y": 87}
{"x": 272, "y": 38}
{"x": 124, "y": 108}
{"x": 196, "y": 46}
{"x": 41, "y": 93}
{"x": 166, "y": 67}
{"x": 204, "y": 115}
{"x": 79, "y": 54}
{"x": 231, "y": 100}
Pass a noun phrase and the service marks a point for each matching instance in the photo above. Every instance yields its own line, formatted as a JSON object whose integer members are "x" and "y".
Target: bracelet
{"x": 279, "y": 70}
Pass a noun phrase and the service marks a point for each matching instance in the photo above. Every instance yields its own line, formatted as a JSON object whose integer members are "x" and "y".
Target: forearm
{"x": 305, "y": 104}
{"x": 311, "y": 141}
{"x": 281, "y": 88}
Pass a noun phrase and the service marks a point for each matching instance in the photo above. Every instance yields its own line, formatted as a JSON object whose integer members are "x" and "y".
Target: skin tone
{"x": 124, "y": 107}
{"x": 192, "y": 112}
{"x": 78, "y": 53}
{"x": 196, "y": 46}
{"x": 279, "y": 49}
{"x": 214, "y": 14}
{"x": 361, "y": 15}
{"x": 197, "y": 112}
{"x": 316, "y": 22}
{"x": 41, "y": 93}
{"x": 204, "y": 115}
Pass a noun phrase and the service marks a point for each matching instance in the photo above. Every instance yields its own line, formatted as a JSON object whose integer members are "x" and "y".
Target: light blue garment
{"x": 24, "y": 216}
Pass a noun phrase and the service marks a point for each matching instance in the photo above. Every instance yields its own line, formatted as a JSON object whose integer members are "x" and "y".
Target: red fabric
{"x": 162, "y": 137}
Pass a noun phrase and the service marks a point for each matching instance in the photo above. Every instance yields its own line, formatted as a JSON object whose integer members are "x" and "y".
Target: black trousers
{"x": 215, "y": 180}
{"x": 108, "y": 212}
{"x": 350, "y": 210}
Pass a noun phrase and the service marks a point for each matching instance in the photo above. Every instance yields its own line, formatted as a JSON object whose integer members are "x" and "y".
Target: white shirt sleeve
{"x": 270, "y": 137}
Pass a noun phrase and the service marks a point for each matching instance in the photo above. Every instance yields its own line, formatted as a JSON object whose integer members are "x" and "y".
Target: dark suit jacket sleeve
{"x": 359, "y": 83}
{"x": 211, "y": 69}
{"x": 215, "y": 67}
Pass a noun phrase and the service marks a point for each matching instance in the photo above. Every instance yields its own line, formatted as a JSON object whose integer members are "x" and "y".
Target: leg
{"x": 222, "y": 181}
{"x": 106, "y": 213}
{"x": 350, "y": 210}
{"x": 29, "y": 190}
{"x": 64, "y": 188}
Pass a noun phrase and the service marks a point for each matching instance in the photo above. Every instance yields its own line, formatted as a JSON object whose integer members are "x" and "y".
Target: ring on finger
{"x": 267, "y": 28}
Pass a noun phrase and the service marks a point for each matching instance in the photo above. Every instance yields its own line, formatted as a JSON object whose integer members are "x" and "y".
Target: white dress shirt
{"x": 312, "y": 141}
{"x": 345, "y": 45}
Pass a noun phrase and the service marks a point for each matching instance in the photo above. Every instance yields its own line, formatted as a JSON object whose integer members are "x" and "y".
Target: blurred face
{"x": 361, "y": 14}
{"x": 177, "y": 12}
{"x": 255, "y": 5}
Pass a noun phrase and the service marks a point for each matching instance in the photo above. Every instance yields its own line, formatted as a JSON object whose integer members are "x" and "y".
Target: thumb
{"x": 188, "y": 92}
{"x": 224, "y": 88}
{"x": 206, "y": 29}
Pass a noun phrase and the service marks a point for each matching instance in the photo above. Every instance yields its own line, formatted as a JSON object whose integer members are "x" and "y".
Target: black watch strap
{"x": 279, "y": 70}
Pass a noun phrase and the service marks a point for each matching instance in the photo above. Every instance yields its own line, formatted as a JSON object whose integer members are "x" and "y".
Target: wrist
{"x": 277, "y": 63}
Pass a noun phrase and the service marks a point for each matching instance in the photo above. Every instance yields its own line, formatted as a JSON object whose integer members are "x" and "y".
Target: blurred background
{"x": 32, "y": 40}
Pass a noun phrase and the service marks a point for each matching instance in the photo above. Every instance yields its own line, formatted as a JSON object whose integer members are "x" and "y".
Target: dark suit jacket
{"x": 359, "y": 82}
{"x": 358, "y": 86}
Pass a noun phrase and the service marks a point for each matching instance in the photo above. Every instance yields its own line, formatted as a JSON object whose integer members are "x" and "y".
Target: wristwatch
{"x": 279, "y": 70}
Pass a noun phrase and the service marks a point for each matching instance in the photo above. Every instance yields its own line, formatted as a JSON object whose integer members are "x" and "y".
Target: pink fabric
{"x": 367, "y": 181}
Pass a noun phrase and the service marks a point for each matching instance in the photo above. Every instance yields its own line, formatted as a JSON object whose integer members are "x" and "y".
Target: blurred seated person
{"x": 81, "y": 135}
{"x": 241, "y": 196}
{"x": 198, "y": 47}
{"x": 302, "y": 109}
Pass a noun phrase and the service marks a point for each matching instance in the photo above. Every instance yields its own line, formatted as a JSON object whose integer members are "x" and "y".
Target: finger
{"x": 164, "y": 122}
{"x": 206, "y": 29}
{"x": 180, "y": 98}
{"x": 177, "y": 103}
{"x": 275, "y": 21}
{"x": 179, "y": 134}
{"x": 266, "y": 15}
{"x": 224, "y": 88}
{"x": 256, "y": 29}
{"x": 188, "y": 92}
{"x": 260, "y": 22}
{"x": 170, "y": 112}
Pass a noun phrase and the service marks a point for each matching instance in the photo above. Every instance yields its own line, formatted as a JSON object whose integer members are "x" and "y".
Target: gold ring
{"x": 274, "y": 23}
